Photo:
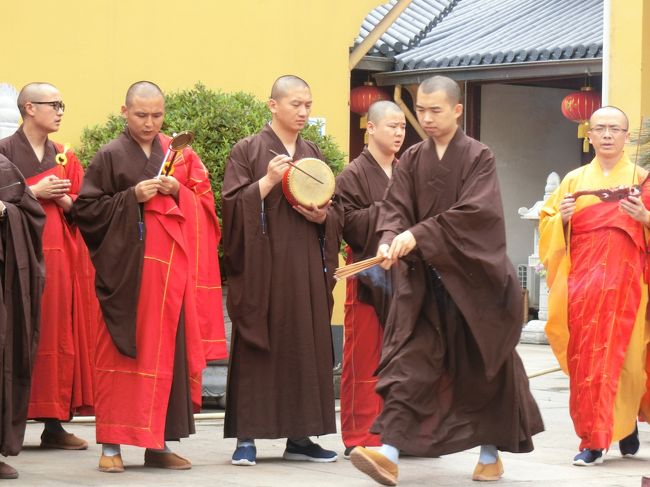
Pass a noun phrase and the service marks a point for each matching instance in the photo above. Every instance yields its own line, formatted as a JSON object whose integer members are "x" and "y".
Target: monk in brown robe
{"x": 153, "y": 240}
{"x": 279, "y": 297}
{"x": 449, "y": 374}
{"x": 21, "y": 285}
{"x": 62, "y": 377}
{"x": 360, "y": 188}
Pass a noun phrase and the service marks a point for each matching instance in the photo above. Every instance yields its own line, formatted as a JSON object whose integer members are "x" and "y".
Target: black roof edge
{"x": 493, "y": 72}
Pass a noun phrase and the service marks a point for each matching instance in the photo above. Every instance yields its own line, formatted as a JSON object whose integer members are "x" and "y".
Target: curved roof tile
{"x": 439, "y": 33}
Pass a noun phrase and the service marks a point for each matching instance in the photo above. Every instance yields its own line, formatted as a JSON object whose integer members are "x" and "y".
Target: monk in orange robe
{"x": 153, "y": 240}
{"x": 360, "y": 188}
{"x": 62, "y": 380}
{"x": 595, "y": 254}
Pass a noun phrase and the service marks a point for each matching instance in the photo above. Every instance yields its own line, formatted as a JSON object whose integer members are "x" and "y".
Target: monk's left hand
{"x": 633, "y": 206}
{"x": 64, "y": 202}
{"x": 401, "y": 245}
{"x": 169, "y": 185}
{"x": 313, "y": 213}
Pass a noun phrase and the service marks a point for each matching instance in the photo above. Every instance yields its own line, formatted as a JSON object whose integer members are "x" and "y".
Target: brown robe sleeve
{"x": 110, "y": 221}
{"x": 247, "y": 249}
{"x": 22, "y": 279}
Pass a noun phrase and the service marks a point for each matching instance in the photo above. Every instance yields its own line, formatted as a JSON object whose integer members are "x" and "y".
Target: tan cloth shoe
{"x": 169, "y": 460}
{"x": 111, "y": 464}
{"x": 488, "y": 472}
{"x": 62, "y": 441}
{"x": 375, "y": 465}
{"x": 7, "y": 471}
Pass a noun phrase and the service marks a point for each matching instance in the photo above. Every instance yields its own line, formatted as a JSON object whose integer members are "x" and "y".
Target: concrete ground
{"x": 548, "y": 465}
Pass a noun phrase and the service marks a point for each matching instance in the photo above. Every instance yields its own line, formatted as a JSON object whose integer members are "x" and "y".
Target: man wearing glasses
{"x": 594, "y": 253}
{"x": 62, "y": 381}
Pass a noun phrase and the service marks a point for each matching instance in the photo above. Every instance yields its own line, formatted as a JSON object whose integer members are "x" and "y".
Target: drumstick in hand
{"x": 293, "y": 165}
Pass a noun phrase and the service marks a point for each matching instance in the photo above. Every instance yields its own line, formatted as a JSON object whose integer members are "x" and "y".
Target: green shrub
{"x": 218, "y": 121}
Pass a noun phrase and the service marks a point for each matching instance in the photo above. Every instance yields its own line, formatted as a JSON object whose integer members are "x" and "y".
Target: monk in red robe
{"x": 597, "y": 270}
{"x": 153, "y": 240}
{"x": 280, "y": 262}
{"x": 360, "y": 188}
{"x": 449, "y": 373}
{"x": 21, "y": 286}
{"x": 62, "y": 379}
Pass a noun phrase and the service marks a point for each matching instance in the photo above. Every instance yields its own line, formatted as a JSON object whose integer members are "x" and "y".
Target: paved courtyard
{"x": 548, "y": 465}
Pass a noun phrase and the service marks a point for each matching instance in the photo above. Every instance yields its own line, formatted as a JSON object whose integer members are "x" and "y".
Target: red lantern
{"x": 578, "y": 107}
{"x": 362, "y": 97}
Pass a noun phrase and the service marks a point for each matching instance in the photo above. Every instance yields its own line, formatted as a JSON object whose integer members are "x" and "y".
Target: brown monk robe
{"x": 280, "y": 260}
{"x": 449, "y": 373}
{"x": 21, "y": 285}
{"x": 360, "y": 189}
{"x": 456, "y": 315}
{"x": 280, "y": 375}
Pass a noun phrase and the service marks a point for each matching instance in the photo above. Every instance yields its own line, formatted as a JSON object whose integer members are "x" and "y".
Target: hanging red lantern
{"x": 362, "y": 97}
{"x": 578, "y": 107}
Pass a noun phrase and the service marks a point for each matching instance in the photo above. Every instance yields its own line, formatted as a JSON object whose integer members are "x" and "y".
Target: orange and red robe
{"x": 62, "y": 378}
{"x": 597, "y": 302}
{"x": 177, "y": 277}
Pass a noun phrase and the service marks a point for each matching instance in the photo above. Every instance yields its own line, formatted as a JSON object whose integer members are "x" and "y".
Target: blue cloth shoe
{"x": 629, "y": 445}
{"x": 308, "y": 453}
{"x": 244, "y": 455}
{"x": 587, "y": 458}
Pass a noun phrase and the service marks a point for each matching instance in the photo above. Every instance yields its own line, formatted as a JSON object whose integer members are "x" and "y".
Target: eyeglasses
{"x": 57, "y": 105}
{"x": 601, "y": 129}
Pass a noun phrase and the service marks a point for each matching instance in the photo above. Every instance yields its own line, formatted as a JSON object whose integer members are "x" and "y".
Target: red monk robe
{"x": 62, "y": 378}
{"x": 597, "y": 303}
{"x": 360, "y": 404}
{"x": 180, "y": 282}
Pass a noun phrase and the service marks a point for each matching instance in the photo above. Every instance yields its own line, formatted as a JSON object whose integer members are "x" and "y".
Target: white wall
{"x": 530, "y": 137}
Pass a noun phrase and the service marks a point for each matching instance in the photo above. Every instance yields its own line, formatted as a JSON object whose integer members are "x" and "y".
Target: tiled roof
{"x": 483, "y": 32}
{"x": 409, "y": 28}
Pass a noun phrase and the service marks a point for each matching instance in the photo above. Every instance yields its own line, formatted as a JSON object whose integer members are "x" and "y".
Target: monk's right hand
{"x": 147, "y": 189}
{"x": 274, "y": 172}
{"x": 50, "y": 187}
{"x": 276, "y": 168}
{"x": 382, "y": 251}
{"x": 567, "y": 207}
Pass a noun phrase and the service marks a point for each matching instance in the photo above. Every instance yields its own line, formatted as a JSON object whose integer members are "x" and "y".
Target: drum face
{"x": 300, "y": 189}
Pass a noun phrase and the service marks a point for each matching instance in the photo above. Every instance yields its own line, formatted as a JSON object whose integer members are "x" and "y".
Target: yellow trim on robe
{"x": 555, "y": 255}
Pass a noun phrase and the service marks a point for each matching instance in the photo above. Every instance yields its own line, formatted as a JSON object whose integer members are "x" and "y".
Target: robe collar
{"x": 438, "y": 181}
{"x": 151, "y": 165}
{"x": 277, "y": 145}
{"x": 31, "y": 166}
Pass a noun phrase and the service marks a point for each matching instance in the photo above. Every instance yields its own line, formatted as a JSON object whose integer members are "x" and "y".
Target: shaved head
{"x": 33, "y": 92}
{"x": 380, "y": 109}
{"x": 284, "y": 84}
{"x": 611, "y": 110}
{"x": 442, "y": 83}
{"x": 142, "y": 89}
